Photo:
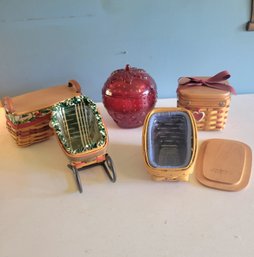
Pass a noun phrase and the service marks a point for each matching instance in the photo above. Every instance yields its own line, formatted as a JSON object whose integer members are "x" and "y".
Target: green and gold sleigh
{"x": 82, "y": 135}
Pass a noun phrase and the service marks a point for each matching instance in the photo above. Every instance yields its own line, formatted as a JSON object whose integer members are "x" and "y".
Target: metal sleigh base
{"x": 105, "y": 161}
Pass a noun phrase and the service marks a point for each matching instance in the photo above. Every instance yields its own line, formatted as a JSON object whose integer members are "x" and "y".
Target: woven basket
{"x": 36, "y": 132}
{"x": 82, "y": 135}
{"x": 28, "y": 115}
{"x": 209, "y": 106}
{"x": 210, "y": 113}
{"x": 170, "y": 143}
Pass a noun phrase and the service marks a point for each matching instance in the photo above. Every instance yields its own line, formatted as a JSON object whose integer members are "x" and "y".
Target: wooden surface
{"x": 43, "y": 214}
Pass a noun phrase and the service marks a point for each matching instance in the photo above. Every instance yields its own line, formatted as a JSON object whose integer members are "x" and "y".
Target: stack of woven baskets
{"x": 28, "y": 115}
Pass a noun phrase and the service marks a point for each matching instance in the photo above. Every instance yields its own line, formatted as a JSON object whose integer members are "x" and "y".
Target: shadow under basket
{"x": 82, "y": 136}
{"x": 170, "y": 143}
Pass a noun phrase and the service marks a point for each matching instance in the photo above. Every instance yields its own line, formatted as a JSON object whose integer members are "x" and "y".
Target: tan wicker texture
{"x": 169, "y": 144}
{"x": 208, "y": 98}
{"x": 33, "y": 133}
{"x": 28, "y": 115}
{"x": 208, "y": 115}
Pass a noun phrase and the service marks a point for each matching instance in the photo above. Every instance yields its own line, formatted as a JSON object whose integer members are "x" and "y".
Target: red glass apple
{"x": 128, "y": 95}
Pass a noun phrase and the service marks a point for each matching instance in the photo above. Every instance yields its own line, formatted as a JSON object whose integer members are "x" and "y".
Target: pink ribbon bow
{"x": 217, "y": 81}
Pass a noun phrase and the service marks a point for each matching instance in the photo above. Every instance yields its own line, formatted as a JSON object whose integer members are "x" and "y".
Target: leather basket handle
{"x": 75, "y": 84}
{"x": 8, "y": 104}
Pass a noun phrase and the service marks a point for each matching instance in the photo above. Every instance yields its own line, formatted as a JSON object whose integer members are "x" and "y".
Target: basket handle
{"x": 75, "y": 84}
{"x": 8, "y": 104}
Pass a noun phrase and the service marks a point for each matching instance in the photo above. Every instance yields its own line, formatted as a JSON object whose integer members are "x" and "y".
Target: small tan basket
{"x": 28, "y": 115}
{"x": 169, "y": 144}
{"x": 208, "y": 98}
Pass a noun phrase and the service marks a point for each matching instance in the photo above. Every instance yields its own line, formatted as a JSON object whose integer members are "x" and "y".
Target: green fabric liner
{"x": 78, "y": 124}
{"x": 27, "y": 117}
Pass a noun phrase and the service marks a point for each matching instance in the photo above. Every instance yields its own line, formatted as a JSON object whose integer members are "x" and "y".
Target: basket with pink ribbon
{"x": 208, "y": 98}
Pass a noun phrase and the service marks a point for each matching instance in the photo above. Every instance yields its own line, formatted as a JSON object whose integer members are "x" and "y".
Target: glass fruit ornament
{"x": 128, "y": 95}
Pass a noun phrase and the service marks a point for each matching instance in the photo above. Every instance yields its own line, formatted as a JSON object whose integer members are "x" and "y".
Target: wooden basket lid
{"x": 41, "y": 99}
{"x": 224, "y": 164}
{"x": 202, "y": 92}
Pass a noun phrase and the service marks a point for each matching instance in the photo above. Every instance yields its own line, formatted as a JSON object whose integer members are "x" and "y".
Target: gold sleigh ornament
{"x": 170, "y": 143}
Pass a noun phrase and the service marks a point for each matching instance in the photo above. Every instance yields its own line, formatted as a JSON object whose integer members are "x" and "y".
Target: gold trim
{"x": 170, "y": 174}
